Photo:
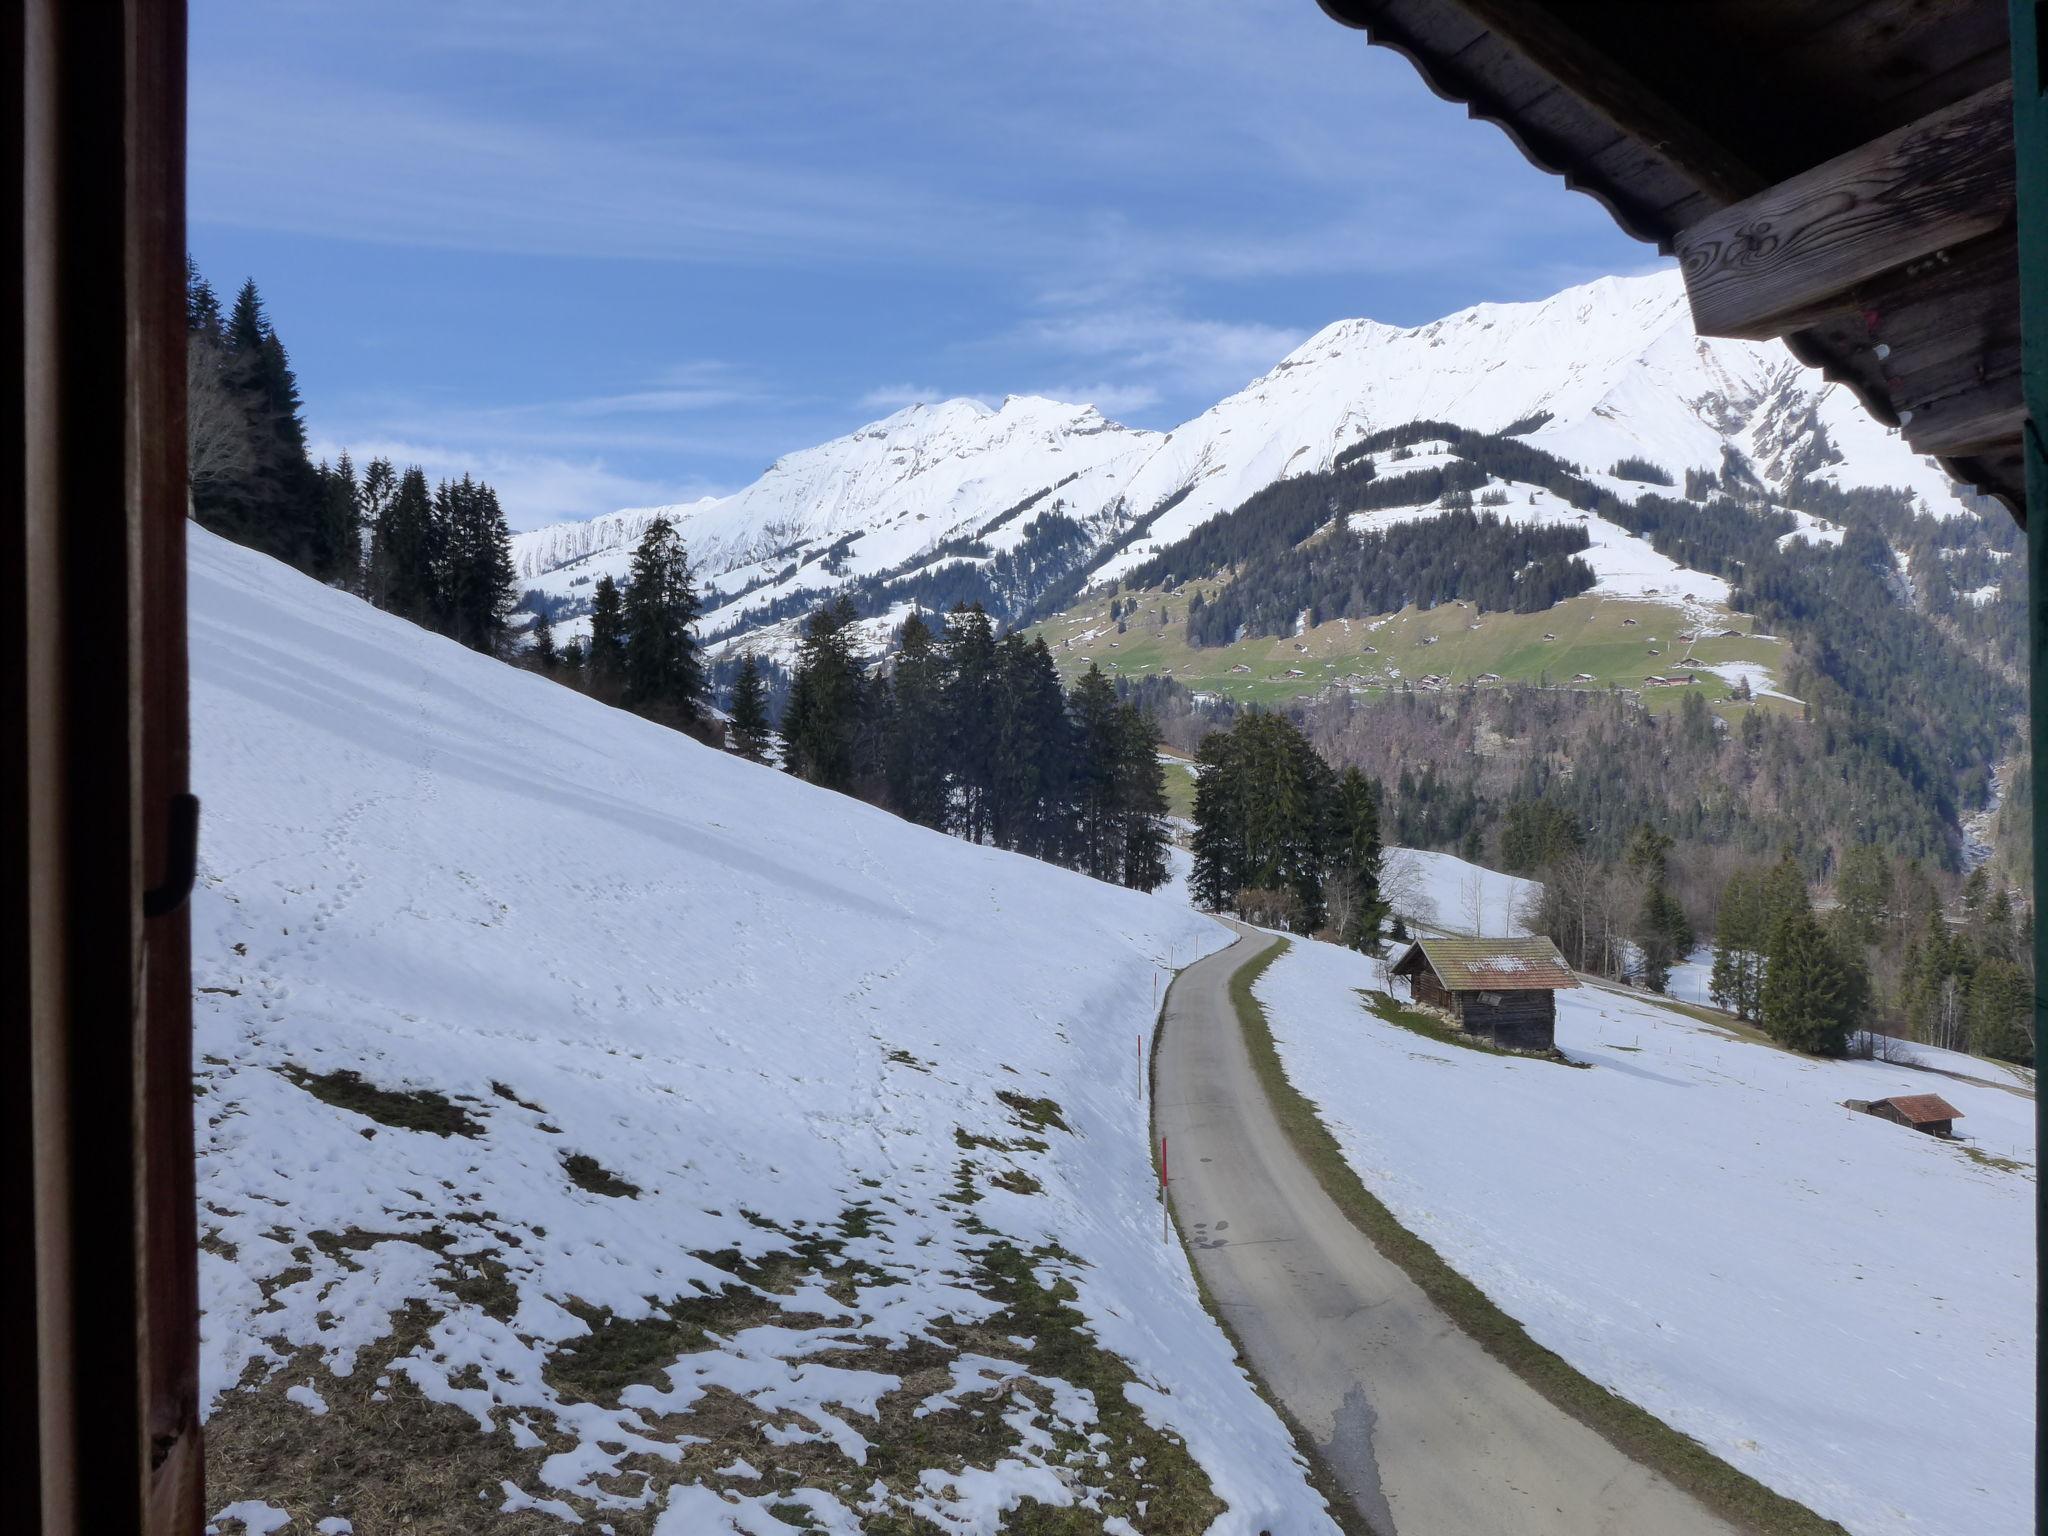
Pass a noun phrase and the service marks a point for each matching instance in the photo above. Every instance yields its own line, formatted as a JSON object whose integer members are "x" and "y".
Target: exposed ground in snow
{"x": 717, "y": 1150}
{"x": 1839, "y": 1306}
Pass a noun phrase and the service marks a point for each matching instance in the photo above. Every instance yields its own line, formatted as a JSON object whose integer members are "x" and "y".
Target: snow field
{"x": 622, "y": 961}
{"x": 1441, "y": 893}
{"x": 1837, "y": 1305}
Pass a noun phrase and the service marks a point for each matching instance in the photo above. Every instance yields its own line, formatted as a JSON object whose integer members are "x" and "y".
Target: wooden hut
{"x": 1502, "y": 989}
{"x": 1928, "y": 1112}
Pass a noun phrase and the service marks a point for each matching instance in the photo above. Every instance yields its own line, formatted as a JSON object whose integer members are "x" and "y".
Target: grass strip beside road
{"x": 1637, "y": 1433}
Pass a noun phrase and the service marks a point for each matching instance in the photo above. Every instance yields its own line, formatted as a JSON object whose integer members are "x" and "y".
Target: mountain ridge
{"x": 1602, "y": 372}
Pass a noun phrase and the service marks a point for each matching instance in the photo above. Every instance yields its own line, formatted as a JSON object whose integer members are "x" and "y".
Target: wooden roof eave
{"x": 1516, "y": 65}
{"x": 1553, "y": 153}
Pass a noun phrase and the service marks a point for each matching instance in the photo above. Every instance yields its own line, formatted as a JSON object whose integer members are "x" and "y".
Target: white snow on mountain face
{"x": 896, "y": 489}
{"x": 1615, "y": 363}
{"x": 762, "y": 1004}
{"x": 1625, "y": 565}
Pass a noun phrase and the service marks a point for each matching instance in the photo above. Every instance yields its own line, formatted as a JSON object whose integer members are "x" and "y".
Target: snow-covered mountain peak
{"x": 1605, "y": 371}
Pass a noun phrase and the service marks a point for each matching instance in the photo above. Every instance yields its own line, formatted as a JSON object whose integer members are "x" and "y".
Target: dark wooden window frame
{"x": 101, "y": 1295}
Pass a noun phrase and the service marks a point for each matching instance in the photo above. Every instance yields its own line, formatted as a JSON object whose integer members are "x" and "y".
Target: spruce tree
{"x": 339, "y": 557}
{"x": 1029, "y": 792}
{"x": 1220, "y": 816}
{"x": 664, "y": 674}
{"x": 402, "y": 575}
{"x": 1740, "y": 941}
{"x": 1099, "y": 751}
{"x": 202, "y": 305}
{"x": 915, "y": 756}
{"x": 573, "y": 659}
{"x": 821, "y": 723}
{"x": 473, "y": 554}
{"x": 1357, "y": 854}
{"x": 2001, "y": 1011}
{"x": 750, "y": 729}
{"x": 605, "y": 658}
{"x": 542, "y": 654}
{"x": 970, "y": 719}
{"x": 1141, "y": 800}
{"x": 275, "y": 505}
{"x": 1807, "y": 992}
{"x": 1863, "y": 893}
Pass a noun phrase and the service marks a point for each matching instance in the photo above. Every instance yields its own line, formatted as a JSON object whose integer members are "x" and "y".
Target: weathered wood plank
{"x": 1981, "y": 418}
{"x": 1617, "y": 93}
{"x": 1932, "y": 184}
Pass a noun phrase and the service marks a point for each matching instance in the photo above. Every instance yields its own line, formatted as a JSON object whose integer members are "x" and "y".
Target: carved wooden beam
{"x": 1758, "y": 266}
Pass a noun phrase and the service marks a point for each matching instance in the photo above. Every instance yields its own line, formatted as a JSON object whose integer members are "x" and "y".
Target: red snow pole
{"x": 1164, "y": 1215}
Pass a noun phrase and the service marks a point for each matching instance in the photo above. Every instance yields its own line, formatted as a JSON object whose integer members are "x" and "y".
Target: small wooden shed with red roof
{"x": 1928, "y": 1112}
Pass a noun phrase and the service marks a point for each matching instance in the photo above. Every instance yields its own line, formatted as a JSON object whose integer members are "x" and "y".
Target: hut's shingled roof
{"x": 1491, "y": 965}
{"x": 1922, "y": 1108}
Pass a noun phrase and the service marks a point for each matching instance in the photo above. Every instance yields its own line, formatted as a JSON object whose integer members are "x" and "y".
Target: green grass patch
{"x": 1032, "y": 1114}
{"x": 415, "y": 1109}
{"x": 1150, "y": 1479}
{"x": 586, "y": 1172}
{"x": 1992, "y": 1160}
{"x": 1584, "y": 642}
{"x": 1638, "y": 1434}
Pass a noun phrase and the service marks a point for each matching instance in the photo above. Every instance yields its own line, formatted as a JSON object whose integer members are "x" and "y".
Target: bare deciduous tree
{"x": 218, "y": 448}
{"x": 1402, "y": 887}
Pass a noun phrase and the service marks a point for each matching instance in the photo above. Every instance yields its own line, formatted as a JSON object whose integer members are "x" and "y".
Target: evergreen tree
{"x": 202, "y": 305}
{"x": 1027, "y": 784}
{"x": 573, "y": 659}
{"x": 1806, "y": 989}
{"x": 543, "y": 654}
{"x": 2001, "y": 1011}
{"x": 1783, "y": 896}
{"x": 339, "y": 553}
{"x": 664, "y": 675}
{"x": 750, "y": 729}
{"x": 276, "y": 507}
{"x": 1662, "y": 934}
{"x": 822, "y": 722}
{"x": 1098, "y": 763}
{"x": 1357, "y": 855}
{"x": 1261, "y": 818}
{"x": 1141, "y": 800}
{"x": 402, "y": 575}
{"x": 605, "y": 658}
{"x": 970, "y": 719}
{"x": 914, "y": 758}
{"x": 1863, "y": 894}
{"x": 472, "y": 553}
{"x": 1740, "y": 942}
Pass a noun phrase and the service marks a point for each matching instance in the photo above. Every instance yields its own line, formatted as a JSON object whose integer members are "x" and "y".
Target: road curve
{"x": 1429, "y": 1434}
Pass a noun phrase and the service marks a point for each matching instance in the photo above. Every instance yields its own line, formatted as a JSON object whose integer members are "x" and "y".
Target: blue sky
{"x": 610, "y": 254}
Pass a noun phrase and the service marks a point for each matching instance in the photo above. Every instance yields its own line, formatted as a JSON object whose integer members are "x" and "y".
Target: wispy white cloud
{"x": 894, "y": 397}
{"x": 533, "y": 488}
{"x": 1148, "y": 353}
{"x": 1113, "y": 400}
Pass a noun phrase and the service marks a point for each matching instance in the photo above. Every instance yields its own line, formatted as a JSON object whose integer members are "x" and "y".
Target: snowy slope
{"x": 1615, "y": 363}
{"x": 1839, "y": 1306}
{"x": 712, "y": 1161}
{"x": 897, "y": 488}
{"x": 1442, "y": 893}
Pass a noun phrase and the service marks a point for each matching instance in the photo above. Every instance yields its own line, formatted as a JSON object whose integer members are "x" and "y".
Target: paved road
{"x": 1429, "y": 1434}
